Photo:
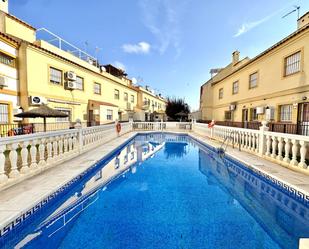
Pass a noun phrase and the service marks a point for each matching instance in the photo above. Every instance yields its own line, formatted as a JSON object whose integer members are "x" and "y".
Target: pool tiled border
{"x": 286, "y": 187}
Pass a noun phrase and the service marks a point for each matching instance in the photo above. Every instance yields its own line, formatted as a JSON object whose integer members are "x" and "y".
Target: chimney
{"x": 4, "y": 6}
{"x": 303, "y": 21}
{"x": 235, "y": 57}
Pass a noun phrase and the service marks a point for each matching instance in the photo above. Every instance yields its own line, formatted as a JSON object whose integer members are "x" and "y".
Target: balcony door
{"x": 303, "y": 119}
{"x": 245, "y": 117}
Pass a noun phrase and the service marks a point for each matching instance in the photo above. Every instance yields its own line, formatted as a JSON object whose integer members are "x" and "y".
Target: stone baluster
{"x": 280, "y": 147}
{"x": 274, "y": 147}
{"x": 253, "y": 142}
{"x": 13, "y": 161}
{"x": 42, "y": 161}
{"x": 303, "y": 152}
{"x": 249, "y": 141}
{"x": 74, "y": 141}
{"x": 24, "y": 157}
{"x": 3, "y": 176}
{"x": 65, "y": 144}
{"x": 33, "y": 153}
{"x": 294, "y": 161}
{"x": 71, "y": 142}
{"x": 257, "y": 140}
{"x": 246, "y": 140}
{"x": 268, "y": 142}
{"x": 49, "y": 148}
{"x": 287, "y": 148}
{"x": 60, "y": 147}
{"x": 243, "y": 139}
{"x": 55, "y": 147}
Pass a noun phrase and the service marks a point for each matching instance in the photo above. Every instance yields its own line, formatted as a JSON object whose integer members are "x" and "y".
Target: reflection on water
{"x": 283, "y": 218}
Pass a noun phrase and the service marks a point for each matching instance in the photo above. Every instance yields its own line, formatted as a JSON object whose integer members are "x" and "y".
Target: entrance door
{"x": 245, "y": 117}
{"x": 303, "y": 119}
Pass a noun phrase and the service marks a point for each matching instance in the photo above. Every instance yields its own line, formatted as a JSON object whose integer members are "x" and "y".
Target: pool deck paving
{"x": 16, "y": 200}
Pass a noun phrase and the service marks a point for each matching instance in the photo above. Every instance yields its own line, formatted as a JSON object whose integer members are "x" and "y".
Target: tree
{"x": 177, "y": 106}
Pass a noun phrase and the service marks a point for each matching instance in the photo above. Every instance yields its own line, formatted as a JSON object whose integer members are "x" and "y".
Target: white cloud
{"x": 247, "y": 26}
{"x": 119, "y": 65}
{"x": 162, "y": 19}
{"x": 139, "y": 48}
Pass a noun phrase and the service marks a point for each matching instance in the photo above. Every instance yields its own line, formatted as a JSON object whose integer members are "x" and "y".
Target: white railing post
{"x": 3, "y": 176}
{"x": 80, "y": 141}
{"x": 262, "y": 140}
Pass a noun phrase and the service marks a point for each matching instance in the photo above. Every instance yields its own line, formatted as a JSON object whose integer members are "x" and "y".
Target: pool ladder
{"x": 229, "y": 137}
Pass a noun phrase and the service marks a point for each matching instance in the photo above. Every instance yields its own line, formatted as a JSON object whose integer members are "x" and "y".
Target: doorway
{"x": 245, "y": 117}
{"x": 303, "y": 119}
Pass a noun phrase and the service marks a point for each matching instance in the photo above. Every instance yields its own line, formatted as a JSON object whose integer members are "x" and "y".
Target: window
{"x": 55, "y": 76}
{"x": 228, "y": 115}
{"x": 235, "y": 87}
{"x": 132, "y": 98}
{"x": 67, "y": 111}
{"x": 116, "y": 94}
{"x": 125, "y": 97}
{"x": 253, "y": 78}
{"x": 109, "y": 115}
{"x": 97, "y": 88}
{"x": 292, "y": 64}
{"x": 254, "y": 115}
{"x": 286, "y": 113}
{"x": 79, "y": 83}
{"x": 7, "y": 60}
{"x": 4, "y": 113}
{"x": 221, "y": 93}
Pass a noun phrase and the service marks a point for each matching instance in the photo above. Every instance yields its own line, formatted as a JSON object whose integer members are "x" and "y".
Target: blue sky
{"x": 168, "y": 44}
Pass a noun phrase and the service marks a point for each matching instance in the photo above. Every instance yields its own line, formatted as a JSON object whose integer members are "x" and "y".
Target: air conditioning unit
{"x": 232, "y": 107}
{"x": 70, "y": 85}
{"x": 270, "y": 113}
{"x": 3, "y": 81}
{"x": 37, "y": 100}
{"x": 70, "y": 76}
{"x": 260, "y": 110}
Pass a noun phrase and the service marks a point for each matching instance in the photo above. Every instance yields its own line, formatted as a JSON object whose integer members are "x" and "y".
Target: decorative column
{"x": 274, "y": 147}
{"x": 49, "y": 148}
{"x": 262, "y": 140}
{"x": 268, "y": 143}
{"x": 303, "y": 152}
{"x": 280, "y": 147}
{"x": 13, "y": 160}
{"x": 3, "y": 176}
{"x": 80, "y": 141}
{"x": 42, "y": 161}
{"x": 24, "y": 157}
{"x": 287, "y": 148}
{"x": 294, "y": 161}
{"x": 33, "y": 152}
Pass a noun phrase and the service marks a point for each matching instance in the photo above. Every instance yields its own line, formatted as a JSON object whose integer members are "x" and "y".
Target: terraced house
{"x": 273, "y": 86}
{"x": 53, "y": 71}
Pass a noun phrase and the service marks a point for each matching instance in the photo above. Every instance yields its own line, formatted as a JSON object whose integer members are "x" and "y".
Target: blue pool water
{"x": 167, "y": 191}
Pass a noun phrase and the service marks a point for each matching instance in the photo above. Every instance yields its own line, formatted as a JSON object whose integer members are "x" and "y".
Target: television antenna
{"x": 296, "y": 8}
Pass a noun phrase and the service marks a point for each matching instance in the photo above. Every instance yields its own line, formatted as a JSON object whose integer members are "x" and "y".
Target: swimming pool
{"x": 167, "y": 191}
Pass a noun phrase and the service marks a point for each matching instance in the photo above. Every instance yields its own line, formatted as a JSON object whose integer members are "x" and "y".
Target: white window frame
{"x": 4, "y": 113}
{"x": 109, "y": 114}
{"x": 79, "y": 83}
{"x": 65, "y": 110}
{"x": 235, "y": 87}
{"x": 97, "y": 88}
{"x": 53, "y": 77}
{"x": 253, "y": 82}
{"x": 286, "y": 112}
{"x": 116, "y": 94}
{"x": 292, "y": 63}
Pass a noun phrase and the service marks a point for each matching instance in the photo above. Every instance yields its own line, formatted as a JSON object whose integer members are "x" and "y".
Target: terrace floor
{"x": 19, "y": 198}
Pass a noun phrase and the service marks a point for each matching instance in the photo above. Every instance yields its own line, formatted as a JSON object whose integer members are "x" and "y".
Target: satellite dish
{"x": 103, "y": 69}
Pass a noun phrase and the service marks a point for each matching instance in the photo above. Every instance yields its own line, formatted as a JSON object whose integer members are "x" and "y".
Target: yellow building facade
{"x": 80, "y": 87}
{"x": 273, "y": 86}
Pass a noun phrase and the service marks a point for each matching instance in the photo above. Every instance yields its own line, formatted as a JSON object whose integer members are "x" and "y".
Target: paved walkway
{"x": 19, "y": 198}
{"x": 293, "y": 178}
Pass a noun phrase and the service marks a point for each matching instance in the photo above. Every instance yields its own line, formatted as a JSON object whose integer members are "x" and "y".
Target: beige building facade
{"x": 73, "y": 82}
{"x": 273, "y": 86}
